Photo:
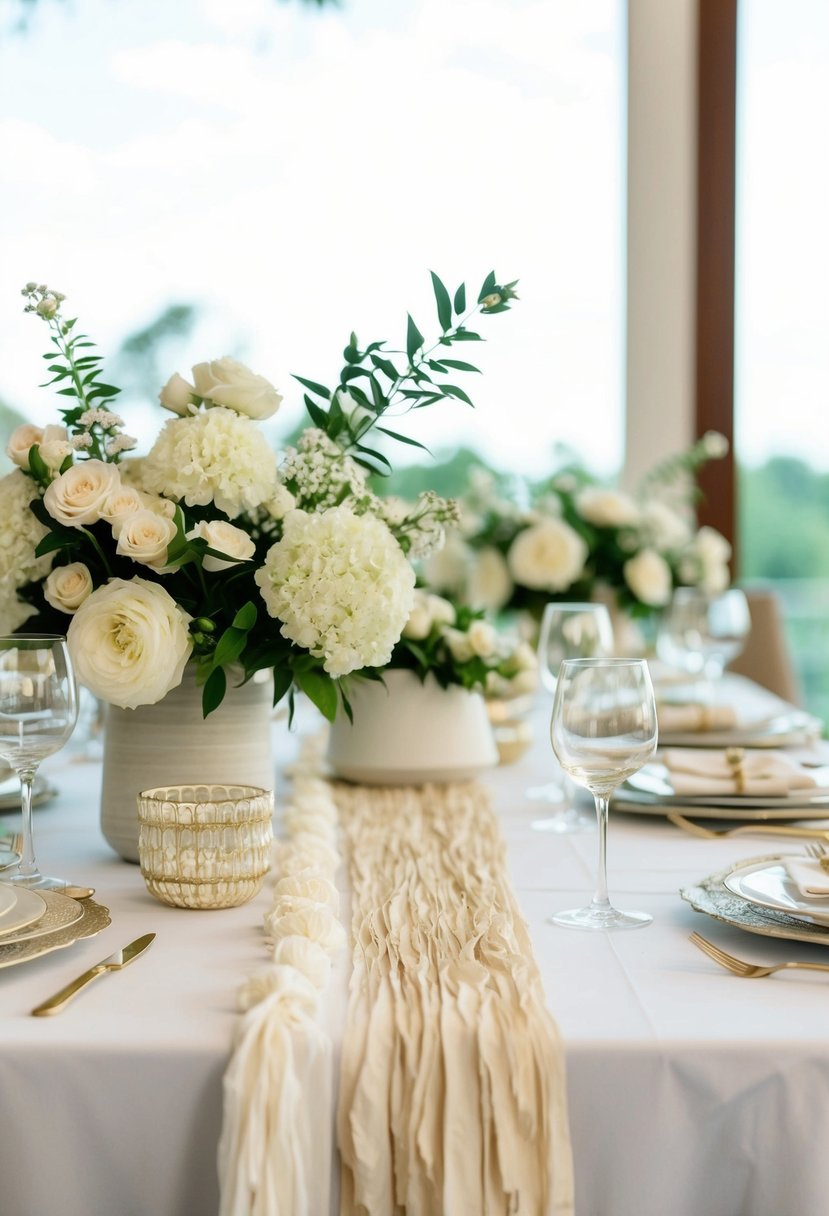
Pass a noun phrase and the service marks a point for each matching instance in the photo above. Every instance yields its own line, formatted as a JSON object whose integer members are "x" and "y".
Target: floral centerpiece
{"x": 576, "y": 539}
{"x": 210, "y": 550}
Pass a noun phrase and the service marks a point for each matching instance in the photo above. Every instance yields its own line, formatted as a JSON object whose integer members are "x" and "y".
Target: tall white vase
{"x": 407, "y": 732}
{"x": 170, "y": 743}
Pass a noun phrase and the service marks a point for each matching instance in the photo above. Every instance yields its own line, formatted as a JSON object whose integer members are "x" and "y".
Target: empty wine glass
{"x": 700, "y": 634}
{"x": 38, "y": 711}
{"x": 568, "y": 631}
{"x": 603, "y": 730}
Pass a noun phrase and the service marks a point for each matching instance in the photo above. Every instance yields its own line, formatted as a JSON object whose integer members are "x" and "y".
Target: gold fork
{"x": 749, "y": 971}
{"x": 818, "y": 851}
{"x": 752, "y": 829}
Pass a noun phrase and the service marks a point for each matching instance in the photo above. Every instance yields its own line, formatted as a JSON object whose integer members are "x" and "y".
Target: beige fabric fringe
{"x": 452, "y": 1097}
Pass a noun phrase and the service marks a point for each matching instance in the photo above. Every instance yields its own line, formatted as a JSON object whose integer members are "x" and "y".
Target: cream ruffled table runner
{"x": 452, "y": 1091}
{"x": 452, "y": 1096}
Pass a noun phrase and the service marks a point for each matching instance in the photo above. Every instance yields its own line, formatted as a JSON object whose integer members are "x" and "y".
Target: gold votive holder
{"x": 205, "y": 846}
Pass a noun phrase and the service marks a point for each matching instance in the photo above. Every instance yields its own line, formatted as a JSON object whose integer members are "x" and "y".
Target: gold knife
{"x": 121, "y": 958}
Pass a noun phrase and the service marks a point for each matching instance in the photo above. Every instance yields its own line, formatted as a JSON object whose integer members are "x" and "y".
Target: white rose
{"x": 489, "y": 585}
{"x": 712, "y": 546}
{"x": 227, "y": 539}
{"x": 459, "y": 645}
{"x": 159, "y": 506}
{"x": 53, "y": 452}
{"x": 53, "y": 438}
{"x": 419, "y": 624}
{"x": 129, "y": 642}
{"x": 649, "y": 577}
{"x": 145, "y": 537}
{"x": 548, "y": 556}
{"x": 440, "y": 610}
{"x": 67, "y": 587}
{"x": 483, "y": 639}
{"x": 21, "y": 440}
{"x": 664, "y": 527}
{"x": 119, "y": 505}
{"x": 178, "y": 395}
{"x": 228, "y": 382}
{"x": 78, "y": 495}
{"x": 607, "y": 508}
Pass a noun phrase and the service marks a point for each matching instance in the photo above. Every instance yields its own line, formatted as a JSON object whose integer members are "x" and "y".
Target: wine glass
{"x": 603, "y": 730}
{"x": 568, "y": 631}
{"x": 38, "y": 711}
{"x": 702, "y": 633}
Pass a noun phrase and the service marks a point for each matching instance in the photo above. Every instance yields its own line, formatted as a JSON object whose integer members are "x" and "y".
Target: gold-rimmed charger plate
{"x": 59, "y": 912}
{"x": 29, "y": 907}
{"x": 712, "y": 898}
{"x": 94, "y": 917}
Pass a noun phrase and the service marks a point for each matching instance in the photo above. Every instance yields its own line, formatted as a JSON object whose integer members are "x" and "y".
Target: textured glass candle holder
{"x": 205, "y": 846}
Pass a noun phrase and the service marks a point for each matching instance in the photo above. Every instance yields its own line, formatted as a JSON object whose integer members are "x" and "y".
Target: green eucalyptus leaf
{"x": 488, "y": 286}
{"x": 319, "y": 389}
{"x": 403, "y": 438}
{"x": 386, "y": 367}
{"x": 245, "y": 618}
{"x": 460, "y": 299}
{"x": 452, "y": 390}
{"x": 229, "y": 646}
{"x": 444, "y": 304}
{"x": 414, "y": 338}
{"x": 458, "y": 365}
{"x": 214, "y": 690}
{"x": 321, "y": 690}
{"x": 317, "y": 414}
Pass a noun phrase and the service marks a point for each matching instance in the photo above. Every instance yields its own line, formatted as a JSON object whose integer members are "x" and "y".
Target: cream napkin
{"x": 807, "y": 875}
{"x": 752, "y": 773}
{"x": 693, "y": 716}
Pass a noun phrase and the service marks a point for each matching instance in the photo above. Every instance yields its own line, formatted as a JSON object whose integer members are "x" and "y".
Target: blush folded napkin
{"x": 695, "y": 716}
{"x": 807, "y": 875}
{"x": 734, "y": 771}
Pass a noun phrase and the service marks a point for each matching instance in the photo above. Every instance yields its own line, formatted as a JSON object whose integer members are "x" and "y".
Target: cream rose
{"x": 649, "y": 577}
{"x": 483, "y": 639}
{"x": 419, "y": 624}
{"x": 67, "y": 587}
{"x": 54, "y": 439}
{"x": 228, "y": 382}
{"x": 227, "y": 539}
{"x": 178, "y": 395}
{"x": 145, "y": 537}
{"x": 489, "y": 584}
{"x": 547, "y": 556}
{"x": 77, "y": 497}
{"x": 119, "y": 505}
{"x": 459, "y": 645}
{"x": 129, "y": 642}
{"x": 607, "y": 508}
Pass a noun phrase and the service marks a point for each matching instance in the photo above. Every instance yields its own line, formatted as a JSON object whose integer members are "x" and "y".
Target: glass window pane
{"x": 293, "y": 172}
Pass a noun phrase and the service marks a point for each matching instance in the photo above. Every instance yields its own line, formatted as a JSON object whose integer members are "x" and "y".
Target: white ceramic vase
{"x": 406, "y": 732}
{"x": 170, "y": 743}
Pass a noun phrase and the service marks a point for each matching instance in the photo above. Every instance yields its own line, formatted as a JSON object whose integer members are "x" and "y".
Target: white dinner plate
{"x": 787, "y": 729}
{"x": 652, "y": 784}
{"x": 8, "y": 898}
{"x": 768, "y": 885}
{"x": 29, "y": 906}
{"x": 59, "y": 913}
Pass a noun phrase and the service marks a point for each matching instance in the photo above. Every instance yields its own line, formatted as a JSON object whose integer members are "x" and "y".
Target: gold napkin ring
{"x": 734, "y": 757}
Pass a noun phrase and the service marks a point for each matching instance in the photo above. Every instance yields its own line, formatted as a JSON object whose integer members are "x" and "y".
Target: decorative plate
{"x": 713, "y": 898}
{"x": 29, "y": 907}
{"x": 94, "y": 918}
{"x": 59, "y": 912}
{"x": 652, "y": 785}
{"x": 768, "y": 885}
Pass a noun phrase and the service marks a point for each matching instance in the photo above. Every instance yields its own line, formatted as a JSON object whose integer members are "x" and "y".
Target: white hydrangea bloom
{"x": 20, "y": 534}
{"x": 216, "y": 456}
{"x": 341, "y": 586}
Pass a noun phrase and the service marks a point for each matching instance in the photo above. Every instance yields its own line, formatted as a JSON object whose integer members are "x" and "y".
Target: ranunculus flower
{"x": 607, "y": 508}
{"x": 227, "y": 382}
{"x": 67, "y": 587}
{"x": 78, "y": 495}
{"x": 649, "y": 577}
{"x": 227, "y": 539}
{"x": 129, "y": 642}
{"x": 547, "y": 556}
{"x": 178, "y": 395}
{"x": 145, "y": 537}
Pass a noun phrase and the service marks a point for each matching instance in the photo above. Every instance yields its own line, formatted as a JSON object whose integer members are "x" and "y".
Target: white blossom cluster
{"x": 341, "y": 586}
{"x": 215, "y": 456}
{"x": 320, "y": 474}
{"x": 419, "y": 528}
{"x": 20, "y": 534}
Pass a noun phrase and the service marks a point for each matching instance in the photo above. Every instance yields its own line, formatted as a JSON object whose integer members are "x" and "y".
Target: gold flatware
{"x": 819, "y": 853}
{"x": 751, "y": 829}
{"x": 76, "y": 892}
{"x": 115, "y": 962}
{"x": 748, "y": 971}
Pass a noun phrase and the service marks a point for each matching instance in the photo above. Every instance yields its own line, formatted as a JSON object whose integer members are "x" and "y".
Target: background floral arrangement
{"x": 210, "y": 549}
{"x": 576, "y": 539}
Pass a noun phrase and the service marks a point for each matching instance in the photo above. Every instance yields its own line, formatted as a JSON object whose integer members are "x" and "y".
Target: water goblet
{"x": 38, "y": 711}
{"x": 603, "y": 730}
{"x": 702, "y": 633}
{"x": 568, "y": 631}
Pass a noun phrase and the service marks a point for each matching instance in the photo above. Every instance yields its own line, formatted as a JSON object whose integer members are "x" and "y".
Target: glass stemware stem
{"x": 600, "y": 902}
{"x": 27, "y": 866}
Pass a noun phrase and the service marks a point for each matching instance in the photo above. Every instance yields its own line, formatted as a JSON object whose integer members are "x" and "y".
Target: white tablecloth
{"x": 691, "y": 1092}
